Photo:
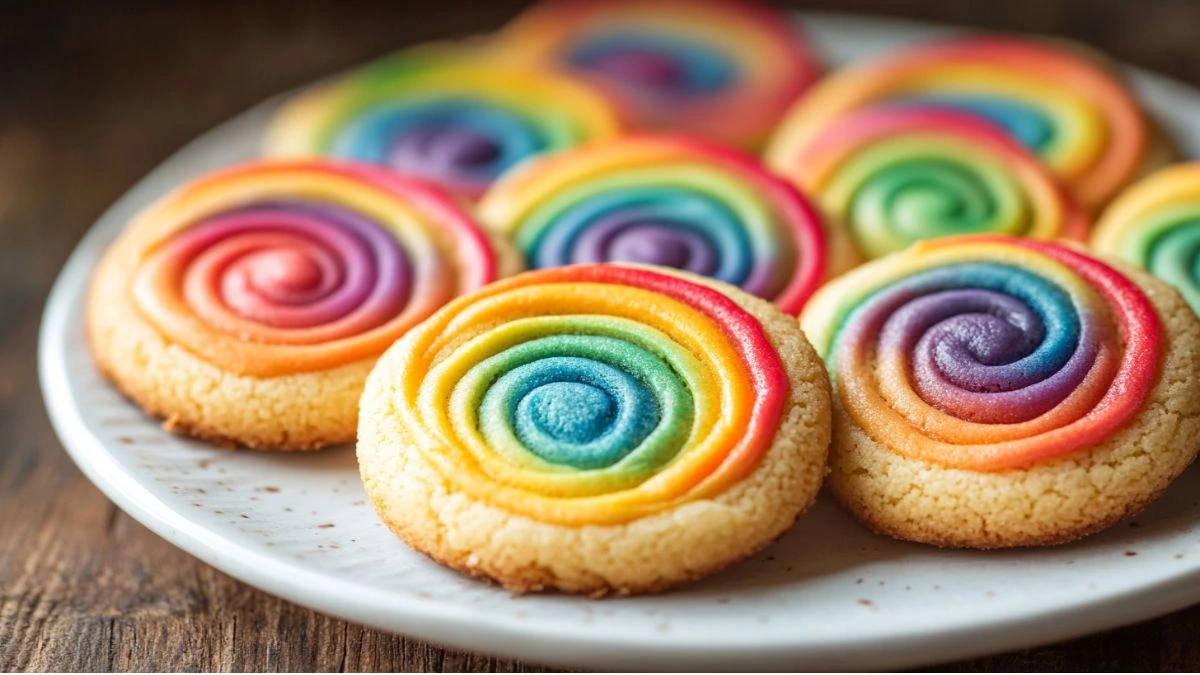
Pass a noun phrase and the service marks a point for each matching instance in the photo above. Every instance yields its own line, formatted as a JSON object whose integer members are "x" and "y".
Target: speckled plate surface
{"x": 829, "y": 595}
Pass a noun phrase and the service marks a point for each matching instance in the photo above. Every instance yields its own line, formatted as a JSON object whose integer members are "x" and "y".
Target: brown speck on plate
{"x": 1130, "y": 554}
{"x": 865, "y": 602}
{"x": 325, "y": 525}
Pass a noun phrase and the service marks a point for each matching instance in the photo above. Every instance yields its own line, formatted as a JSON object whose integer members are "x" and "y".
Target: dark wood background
{"x": 92, "y": 96}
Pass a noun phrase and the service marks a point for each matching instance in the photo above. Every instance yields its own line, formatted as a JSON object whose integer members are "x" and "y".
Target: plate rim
{"x": 460, "y": 627}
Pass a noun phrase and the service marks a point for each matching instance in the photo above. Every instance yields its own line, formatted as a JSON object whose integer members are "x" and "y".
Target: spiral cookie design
{"x": 1061, "y": 103}
{"x": 665, "y": 200}
{"x": 1156, "y": 225}
{"x": 280, "y": 268}
{"x": 722, "y": 69}
{"x": 592, "y": 394}
{"x": 596, "y": 410}
{"x": 985, "y": 353}
{"x": 248, "y": 306}
{"x": 997, "y": 392}
{"x": 891, "y": 177}
{"x": 442, "y": 119}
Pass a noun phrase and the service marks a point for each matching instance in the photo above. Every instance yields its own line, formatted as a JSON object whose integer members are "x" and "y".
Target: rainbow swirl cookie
{"x": 893, "y": 176}
{"x": 1059, "y": 101}
{"x": 994, "y": 391}
{"x": 725, "y": 69}
{"x": 1156, "y": 225}
{"x": 444, "y": 117}
{"x": 248, "y": 306}
{"x": 596, "y": 428}
{"x": 668, "y": 200}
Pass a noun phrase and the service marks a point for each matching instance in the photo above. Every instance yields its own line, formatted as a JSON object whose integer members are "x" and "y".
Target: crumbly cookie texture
{"x": 649, "y": 554}
{"x": 1051, "y": 502}
{"x": 303, "y": 411}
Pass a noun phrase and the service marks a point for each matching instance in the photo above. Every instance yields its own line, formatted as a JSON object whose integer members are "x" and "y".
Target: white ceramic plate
{"x": 829, "y": 595}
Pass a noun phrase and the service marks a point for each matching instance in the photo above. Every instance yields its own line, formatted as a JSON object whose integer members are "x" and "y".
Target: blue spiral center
{"x": 567, "y": 412}
{"x": 583, "y": 402}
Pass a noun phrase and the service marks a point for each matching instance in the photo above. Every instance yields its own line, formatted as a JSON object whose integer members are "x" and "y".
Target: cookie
{"x": 993, "y": 392}
{"x": 676, "y": 201}
{"x": 248, "y": 306}
{"x": 596, "y": 429}
{"x": 893, "y": 176}
{"x": 455, "y": 117}
{"x": 724, "y": 69}
{"x": 1063, "y": 102}
{"x": 1155, "y": 224}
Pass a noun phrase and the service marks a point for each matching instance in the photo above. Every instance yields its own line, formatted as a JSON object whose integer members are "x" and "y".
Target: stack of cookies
{"x": 958, "y": 281}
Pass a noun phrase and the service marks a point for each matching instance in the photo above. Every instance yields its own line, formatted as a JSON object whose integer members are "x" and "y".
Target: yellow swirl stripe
{"x": 1061, "y": 103}
{"x": 591, "y": 394}
{"x": 282, "y": 267}
{"x": 1156, "y": 224}
{"x": 891, "y": 177}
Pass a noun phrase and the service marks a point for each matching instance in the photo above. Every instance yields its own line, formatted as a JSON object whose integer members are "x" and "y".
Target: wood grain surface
{"x": 92, "y": 96}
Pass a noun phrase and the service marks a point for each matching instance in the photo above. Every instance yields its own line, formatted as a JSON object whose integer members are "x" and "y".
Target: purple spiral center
{"x": 443, "y": 150}
{"x": 622, "y": 238}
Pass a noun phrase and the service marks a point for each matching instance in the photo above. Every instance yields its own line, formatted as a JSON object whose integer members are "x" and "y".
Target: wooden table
{"x": 91, "y": 98}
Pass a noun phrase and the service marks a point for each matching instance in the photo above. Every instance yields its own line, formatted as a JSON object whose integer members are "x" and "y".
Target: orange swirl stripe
{"x": 1062, "y": 104}
{"x": 988, "y": 353}
{"x": 674, "y": 393}
{"x": 272, "y": 269}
